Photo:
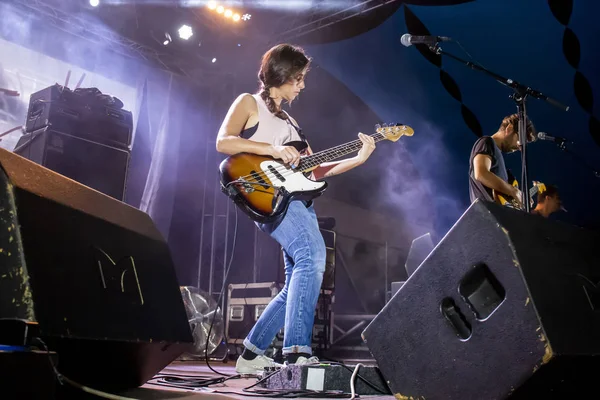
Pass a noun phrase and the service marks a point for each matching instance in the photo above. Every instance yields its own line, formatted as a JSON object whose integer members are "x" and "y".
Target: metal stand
{"x": 351, "y": 325}
{"x": 16, "y": 128}
{"x": 519, "y": 96}
{"x": 562, "y": 145}
{"x": 214, "y": 234}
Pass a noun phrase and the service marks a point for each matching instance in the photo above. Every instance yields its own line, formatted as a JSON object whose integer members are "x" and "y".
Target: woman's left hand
{"x": 367, "y": 147}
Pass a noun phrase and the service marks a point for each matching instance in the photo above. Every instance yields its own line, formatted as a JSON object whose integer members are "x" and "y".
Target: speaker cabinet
{"x": 505, "y": 306}
{"x": 99, "y": 166}
{"x": 94, "y": 273}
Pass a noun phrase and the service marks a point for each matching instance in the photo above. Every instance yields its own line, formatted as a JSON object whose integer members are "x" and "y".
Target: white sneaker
{"x": 306, "y": 361}
{"x": 256, "y": 366}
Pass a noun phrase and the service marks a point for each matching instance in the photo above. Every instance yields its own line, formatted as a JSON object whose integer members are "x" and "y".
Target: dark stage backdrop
{"x": 548, "y": 45}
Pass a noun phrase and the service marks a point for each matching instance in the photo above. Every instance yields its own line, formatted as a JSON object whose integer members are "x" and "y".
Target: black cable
{"x": 192, "y": 382}
{"x": 292, "y": 394}
{"x": 220, "y": 296}
{"x": 468, "y": 54}
{"x": 165, "y": 385}
{"x": 62, "y": 379}
{"x": 264, "y": 379}
{"x": 188, "y": 381}
{"x": 56, "y": 373}
{"x": 366, "y": 381}
{"x": 161, "y": 374}
{"x": 298, "y": 393}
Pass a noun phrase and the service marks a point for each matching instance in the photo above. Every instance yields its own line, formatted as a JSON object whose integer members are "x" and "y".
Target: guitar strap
{"x": 303, "y": 138}
{"x": 297, "y": 128}
{"x": 511, "y": 177}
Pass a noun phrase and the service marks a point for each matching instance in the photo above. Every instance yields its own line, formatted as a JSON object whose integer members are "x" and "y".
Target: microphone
{"x": 408, "y": 40}
{"x": 556, "y": 139}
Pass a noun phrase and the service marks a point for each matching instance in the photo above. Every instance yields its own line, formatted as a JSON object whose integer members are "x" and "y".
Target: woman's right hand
{"x": 288, "y": 154}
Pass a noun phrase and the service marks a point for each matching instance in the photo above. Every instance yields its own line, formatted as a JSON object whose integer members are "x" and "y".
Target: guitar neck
{"x": 533, "y": 191}
{"x": 335, "y": 152}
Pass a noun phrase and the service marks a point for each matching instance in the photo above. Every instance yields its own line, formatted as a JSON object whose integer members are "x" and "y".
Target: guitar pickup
{"x": 276, "y": 173}
{"x": 260, "y": 179}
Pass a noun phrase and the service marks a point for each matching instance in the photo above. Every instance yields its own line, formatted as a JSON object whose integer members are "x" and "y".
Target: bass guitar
{"x": 263, "y": 187}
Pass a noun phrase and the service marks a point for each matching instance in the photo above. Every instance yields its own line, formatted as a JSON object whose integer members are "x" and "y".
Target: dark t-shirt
{"x": 486, "y": 145}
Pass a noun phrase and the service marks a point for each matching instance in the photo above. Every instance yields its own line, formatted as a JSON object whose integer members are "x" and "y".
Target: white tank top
{"x": 271, "y": 129}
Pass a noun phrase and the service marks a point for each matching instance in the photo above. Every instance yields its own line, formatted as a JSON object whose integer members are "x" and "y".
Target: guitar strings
{"x": 286, "y": 171}
{"x": 319, "y": 156}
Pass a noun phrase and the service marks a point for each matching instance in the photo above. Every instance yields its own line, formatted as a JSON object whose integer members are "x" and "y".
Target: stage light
{"x": 227, "y": 12}
{"x": 214, "y": 60}
{"x": 167, "y": 39}
{"x": 185, "y": 32}
{"x": 94, "y": 3}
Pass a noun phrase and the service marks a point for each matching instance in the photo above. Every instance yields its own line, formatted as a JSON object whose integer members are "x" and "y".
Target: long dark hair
{"x": 279, "y": 65}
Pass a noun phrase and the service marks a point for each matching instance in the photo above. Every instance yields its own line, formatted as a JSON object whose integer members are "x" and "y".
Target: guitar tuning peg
{"x": 377, "y": 127}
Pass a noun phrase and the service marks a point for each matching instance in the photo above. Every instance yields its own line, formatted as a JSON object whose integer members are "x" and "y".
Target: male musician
{"x": 487, "y": 170}
{"x": 548, "y": 202}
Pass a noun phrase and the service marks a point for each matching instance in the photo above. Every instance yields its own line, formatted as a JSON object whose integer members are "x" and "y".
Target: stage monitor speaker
{"x": 419, "y": 250}
{"x": 94, "y": 273}
{"x": 506, "y": 306}
{"x": 93, "y": 164}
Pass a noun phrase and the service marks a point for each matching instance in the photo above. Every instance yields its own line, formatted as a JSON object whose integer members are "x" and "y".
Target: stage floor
{"x": 231, "y": 389}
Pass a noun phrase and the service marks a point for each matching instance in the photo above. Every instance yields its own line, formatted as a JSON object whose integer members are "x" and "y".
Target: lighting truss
{"x": 119, "y": 44}
{"x": 318, "y": 21}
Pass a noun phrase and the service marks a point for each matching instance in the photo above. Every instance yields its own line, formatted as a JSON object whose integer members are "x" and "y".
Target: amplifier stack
{"x": 82, "y": 134}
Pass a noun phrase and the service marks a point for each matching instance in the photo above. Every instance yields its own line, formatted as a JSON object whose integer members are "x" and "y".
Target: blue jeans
{"x": 294, "y": 307}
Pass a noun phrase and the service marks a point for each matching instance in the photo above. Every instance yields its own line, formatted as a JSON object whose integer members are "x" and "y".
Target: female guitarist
{"x": 257, "y": 124}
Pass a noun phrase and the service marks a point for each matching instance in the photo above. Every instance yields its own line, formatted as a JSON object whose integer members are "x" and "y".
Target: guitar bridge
{"x": 235, "y": 187}
{"x": 232, "y": 189}
{"x": 240, "y": 185}
{"x": 247, "y": 187}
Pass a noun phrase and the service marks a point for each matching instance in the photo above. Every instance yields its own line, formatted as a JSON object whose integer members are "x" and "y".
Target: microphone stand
{"x": 519, "y": 96}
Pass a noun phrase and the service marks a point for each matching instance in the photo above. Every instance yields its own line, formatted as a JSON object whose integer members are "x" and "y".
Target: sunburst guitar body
{"x": 263, "y": 187}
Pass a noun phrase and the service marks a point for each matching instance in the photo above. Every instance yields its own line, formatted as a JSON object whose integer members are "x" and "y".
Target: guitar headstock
{"x": 540, "y": 186}
{"x": 394, "y": 132}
